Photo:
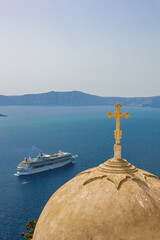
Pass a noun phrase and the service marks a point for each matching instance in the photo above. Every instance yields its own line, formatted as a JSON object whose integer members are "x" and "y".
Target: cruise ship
{"x": 44, "y": 162}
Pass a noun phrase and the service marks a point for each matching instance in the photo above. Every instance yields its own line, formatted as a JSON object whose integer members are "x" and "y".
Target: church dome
{"x": 114, "y": 201}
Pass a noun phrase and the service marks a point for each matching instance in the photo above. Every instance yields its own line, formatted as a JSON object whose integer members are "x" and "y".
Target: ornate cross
{"x": 118, "y": 115}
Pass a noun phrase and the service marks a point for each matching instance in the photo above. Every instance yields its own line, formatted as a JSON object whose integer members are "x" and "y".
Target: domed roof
{"x": 100, "y": 205}
{"x": 114, "y": 201}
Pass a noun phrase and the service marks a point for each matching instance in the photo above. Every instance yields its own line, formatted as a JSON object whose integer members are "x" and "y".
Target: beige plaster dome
{"x": 114, "y": 201}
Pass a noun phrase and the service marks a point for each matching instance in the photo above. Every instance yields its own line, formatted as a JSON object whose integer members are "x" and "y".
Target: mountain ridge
{"x": 75, "y": 98}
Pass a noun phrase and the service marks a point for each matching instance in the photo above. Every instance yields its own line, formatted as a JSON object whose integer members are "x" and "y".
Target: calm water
{"x": 85, "y": 131}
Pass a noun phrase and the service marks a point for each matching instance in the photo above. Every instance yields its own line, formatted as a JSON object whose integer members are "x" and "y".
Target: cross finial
{"x": 118, "y": 115}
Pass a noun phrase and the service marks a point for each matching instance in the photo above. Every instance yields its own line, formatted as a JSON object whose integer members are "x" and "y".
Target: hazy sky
{"x": 102, "y": 47}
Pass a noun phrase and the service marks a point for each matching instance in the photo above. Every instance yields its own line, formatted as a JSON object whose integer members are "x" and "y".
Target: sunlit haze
{"x": 104, "y": 47}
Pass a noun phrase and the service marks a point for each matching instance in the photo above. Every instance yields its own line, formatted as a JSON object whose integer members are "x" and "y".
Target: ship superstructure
{"x": 44, "y": 162}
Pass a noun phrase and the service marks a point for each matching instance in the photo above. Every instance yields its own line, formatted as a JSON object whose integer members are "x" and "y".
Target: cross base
{"x": 117, "y": 151}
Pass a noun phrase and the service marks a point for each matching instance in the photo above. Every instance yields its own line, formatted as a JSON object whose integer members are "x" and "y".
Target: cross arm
{"x": 109, "y": 115}
{"x": 126, "y": 115}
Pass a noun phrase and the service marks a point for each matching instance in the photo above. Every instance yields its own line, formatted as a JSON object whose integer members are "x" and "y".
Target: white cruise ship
{"x": 44, "y": 162}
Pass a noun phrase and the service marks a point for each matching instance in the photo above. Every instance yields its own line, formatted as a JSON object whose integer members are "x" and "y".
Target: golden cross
{"x": 118, "y": 115}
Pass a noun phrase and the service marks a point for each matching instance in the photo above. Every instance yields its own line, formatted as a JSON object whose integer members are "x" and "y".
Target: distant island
{"x": 76, "y": 98}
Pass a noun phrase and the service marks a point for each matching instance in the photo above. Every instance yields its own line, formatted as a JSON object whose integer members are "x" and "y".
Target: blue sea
{"x": 85, "y": 131}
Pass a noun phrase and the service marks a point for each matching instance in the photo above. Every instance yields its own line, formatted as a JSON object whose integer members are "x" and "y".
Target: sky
{"x": 101, "y": 47}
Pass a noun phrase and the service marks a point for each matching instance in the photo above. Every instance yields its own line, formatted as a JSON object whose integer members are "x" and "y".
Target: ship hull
{"x": 45, "y": 168}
